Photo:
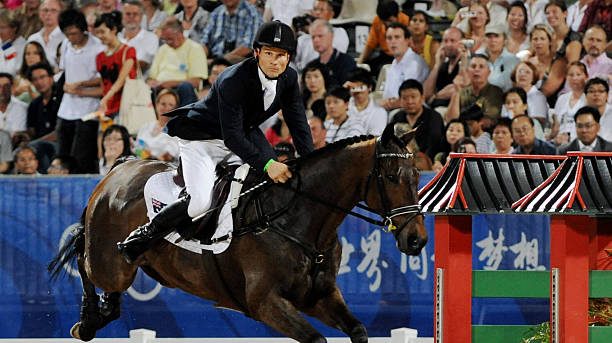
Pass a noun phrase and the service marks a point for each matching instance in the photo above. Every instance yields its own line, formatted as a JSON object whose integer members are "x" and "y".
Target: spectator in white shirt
{"x": 50, "y": 36}
{"x": 362, "y": 107}
{"x": 525, "y": 77}
{"x": 339, "y": 125}
{"x": 11, "y": 45}
{"x": 305, "y": 51}
{"x": 564, "y": 128}
{"x": 153, "y": 15}
{"x": 597, "y": 90}
{"x": 286, "y": 10}
{"x": 575, "y": 13}
{"x": 6, "y": 147}
{"x": 13, "y": 112}
{"x": 146, "y": 43}
{"x": 406, "y": 65}
{"x": 82, "y": 93}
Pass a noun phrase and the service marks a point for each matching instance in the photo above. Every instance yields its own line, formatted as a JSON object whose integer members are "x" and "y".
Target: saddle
{"x": 204, "y": 228}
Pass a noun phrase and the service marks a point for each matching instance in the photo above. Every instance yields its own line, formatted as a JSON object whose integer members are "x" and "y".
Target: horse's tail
{"x": 71, "y": 249}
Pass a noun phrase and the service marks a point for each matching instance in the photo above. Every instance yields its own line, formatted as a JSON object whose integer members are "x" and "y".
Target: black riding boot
{"x": 141, "y": 239}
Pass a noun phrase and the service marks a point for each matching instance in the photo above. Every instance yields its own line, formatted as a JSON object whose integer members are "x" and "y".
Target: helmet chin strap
{"x": 266, "y": 75}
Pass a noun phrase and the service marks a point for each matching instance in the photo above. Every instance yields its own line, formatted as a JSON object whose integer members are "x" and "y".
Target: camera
{"x": 469, "y": 14}
{"x": 468, "y": 43}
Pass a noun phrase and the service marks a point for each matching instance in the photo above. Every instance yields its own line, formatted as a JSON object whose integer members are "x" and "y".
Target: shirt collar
{"x": 265, "y": 82}
{"x": 584, "y": 147}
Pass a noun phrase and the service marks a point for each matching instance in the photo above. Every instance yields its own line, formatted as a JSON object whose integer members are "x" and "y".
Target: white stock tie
{"x": 269, "y": 88}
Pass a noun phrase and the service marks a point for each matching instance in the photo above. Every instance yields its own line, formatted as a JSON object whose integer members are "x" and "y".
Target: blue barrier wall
{"x": 384, "y": 288}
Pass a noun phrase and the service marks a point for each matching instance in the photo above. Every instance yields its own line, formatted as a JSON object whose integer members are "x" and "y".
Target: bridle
{"x": 387, "y": 214}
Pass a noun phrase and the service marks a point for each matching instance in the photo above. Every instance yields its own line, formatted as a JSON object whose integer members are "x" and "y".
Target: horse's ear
{"x": 405, "y": 132}
{"x": 387, "y": 134}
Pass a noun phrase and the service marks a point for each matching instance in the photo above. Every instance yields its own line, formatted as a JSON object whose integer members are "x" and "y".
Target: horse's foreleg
{"x": 332, "y": 310}
{"x": 85, "y": 328}
{"x": 282, "y": 316}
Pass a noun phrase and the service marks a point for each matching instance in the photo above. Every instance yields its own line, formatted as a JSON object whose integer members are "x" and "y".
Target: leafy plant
{"x": 538, "y": 334}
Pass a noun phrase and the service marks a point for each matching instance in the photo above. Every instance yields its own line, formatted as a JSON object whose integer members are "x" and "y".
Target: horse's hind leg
{"x": 332, "y": 310}
{"x": 282, "y": 316}
{"x": 94, "y": 314}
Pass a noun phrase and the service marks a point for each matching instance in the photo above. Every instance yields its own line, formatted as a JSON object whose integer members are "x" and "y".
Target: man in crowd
{"x": 597, "y": 91}
{"x": 50, "y": 36}
{"x": 386, "y": 12}
{"x": 473, "y": 87}
{"x": 42, "y": 113}
{"x": 587, "y": 130}
{"x": 305, "y": 53}
{"x": 430, "y": 132}
{"x": 338, "y": 63}
{"x": 373, "y": 118}
{"x": 230, "y": 30}
{"x": 82, "y": 92}
{"x": 179, "y": 64}
{"x": 318, "y": 132}
{"x": 524, "y": 136}
{"x": 596, "y": 60}
{"x": 6, "y": 148}
{"x": 406, "y": 65}
{"x": 13, "y": 112}
{"x": 146, "y": 43}
{"x": 438, "y": 87}
{"x": 28, "y": 17}
{"x": 501, "y": 62}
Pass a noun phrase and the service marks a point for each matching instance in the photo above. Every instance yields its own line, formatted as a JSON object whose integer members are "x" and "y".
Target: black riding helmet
{"x": 277, "y": 35}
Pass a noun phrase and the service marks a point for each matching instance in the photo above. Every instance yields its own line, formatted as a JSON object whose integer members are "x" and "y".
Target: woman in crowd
{"x": 566, "y": 42}
{"x": 193, "y": 19}
{"x": 114, "y": 64}
{"x": 422, "y": 42}
{"x": 23, "y": 89}
{"x": 515, "y": 104}
{"x": 115, "y": 143}
{"x": 315, "y": 81}
{"x": 570, "y": 102}
{"x": 455, "y": 130}
{"x": 551, "y": 69}
{"x": 518, "y": 40}
{"x": 153, "y": 15}
{"x": 151, "y": 141}
{"x": 477, "y": 24}
{"x": 502, "y": 136}
{"x": 525, "y": 76}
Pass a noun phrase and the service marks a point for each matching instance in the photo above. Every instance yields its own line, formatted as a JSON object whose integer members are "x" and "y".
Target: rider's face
{"x": 272, "y": 61}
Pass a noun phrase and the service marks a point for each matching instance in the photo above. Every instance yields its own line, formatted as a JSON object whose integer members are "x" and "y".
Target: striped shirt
{"x": 347, "y": 128}
{"x": 225, "y": 32}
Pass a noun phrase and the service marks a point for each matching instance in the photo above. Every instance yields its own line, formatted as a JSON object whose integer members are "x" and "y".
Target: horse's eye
{"x": 392, "y": 177}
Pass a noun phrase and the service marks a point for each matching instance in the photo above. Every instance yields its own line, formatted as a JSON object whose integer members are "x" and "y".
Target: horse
{"x": 286, "y": 267}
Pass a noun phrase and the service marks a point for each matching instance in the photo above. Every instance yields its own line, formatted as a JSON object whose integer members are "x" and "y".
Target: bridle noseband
{"x": 387, "y": 214}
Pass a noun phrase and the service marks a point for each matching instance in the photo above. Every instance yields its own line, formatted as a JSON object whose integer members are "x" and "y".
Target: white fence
{"x": 403, "y": 335}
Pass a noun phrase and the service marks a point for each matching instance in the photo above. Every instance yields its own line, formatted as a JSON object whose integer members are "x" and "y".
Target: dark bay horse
{"x": 270, "y": 276}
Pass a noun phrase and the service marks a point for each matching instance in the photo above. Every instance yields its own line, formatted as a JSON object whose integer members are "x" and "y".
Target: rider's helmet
{"x": 277, "y": 35}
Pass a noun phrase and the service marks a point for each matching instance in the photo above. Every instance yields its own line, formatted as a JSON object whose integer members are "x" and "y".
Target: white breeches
{"x": 199, "y": 160}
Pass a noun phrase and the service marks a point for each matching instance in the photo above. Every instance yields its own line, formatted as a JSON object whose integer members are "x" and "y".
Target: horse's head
{"x": 391, "y": 189}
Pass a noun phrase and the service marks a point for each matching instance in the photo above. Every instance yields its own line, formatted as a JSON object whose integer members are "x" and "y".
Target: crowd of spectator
{"x": 496, "y": 76}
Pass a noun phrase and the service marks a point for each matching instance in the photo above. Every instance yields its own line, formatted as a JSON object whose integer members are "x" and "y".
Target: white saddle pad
{"x": 160, "y": 190}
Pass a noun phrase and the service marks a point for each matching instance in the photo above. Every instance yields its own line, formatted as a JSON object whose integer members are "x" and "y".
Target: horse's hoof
{"x": 83, "y": 336}
{"x": 359, "y": 334}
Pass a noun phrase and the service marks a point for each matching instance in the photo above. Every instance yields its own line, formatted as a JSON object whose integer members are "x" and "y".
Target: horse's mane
{"x": 331, "y": 147}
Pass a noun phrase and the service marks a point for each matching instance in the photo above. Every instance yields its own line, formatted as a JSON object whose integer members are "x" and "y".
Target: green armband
{"x": 268, "y": 165}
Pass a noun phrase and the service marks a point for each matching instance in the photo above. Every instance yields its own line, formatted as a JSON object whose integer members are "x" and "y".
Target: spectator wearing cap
{"x": 472, "y": 87}
{"x": 430, "y": 133}
{"x": 596, "y": 60}
{"x": 362, "y": 107}
{"x": 523, "y": 134}
{"x": 338, "y": 63}
{"x": 12, "y": 44}
{"x": 387, "y": 12}
{"x": 284, "y": 151}
{"x": 50, "y": 36}
{"x": 339, "y": 125}
{"x": 501, "y": 62}
{"x": 406, "y": 65}
{"x": 145, "y": 42}
{"x": 317, "y": 131}
{"x": 230, "y": 30}
{"x": 6, "y": 156}
{"x": 472, "y": 116}
{"x": 25, "y": 161}
{"x": 305, "y": 51}
{"x": 587, "y": 133}
{"x": 597, "y": 92}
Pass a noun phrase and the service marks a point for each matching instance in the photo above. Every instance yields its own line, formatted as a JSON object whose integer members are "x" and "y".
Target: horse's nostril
{"x": 413, "y": 241}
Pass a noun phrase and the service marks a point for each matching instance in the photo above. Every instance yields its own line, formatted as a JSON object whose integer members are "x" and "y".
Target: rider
{"x": 227, "y": 121}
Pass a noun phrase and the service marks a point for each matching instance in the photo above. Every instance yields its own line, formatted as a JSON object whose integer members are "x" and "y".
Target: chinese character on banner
{"x": 416, "y": 264}
{"x": 347, "y": 250}
{"x": 527, "y": 254}
{"x": 371, "y": 248}
{"x": 492, "y": 250}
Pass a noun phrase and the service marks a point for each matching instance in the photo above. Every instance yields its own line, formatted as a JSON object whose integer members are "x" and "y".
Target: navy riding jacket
{"x": 233, "y": 111}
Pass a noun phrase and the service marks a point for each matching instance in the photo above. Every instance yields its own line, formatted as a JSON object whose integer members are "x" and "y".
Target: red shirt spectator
{"x": 109, "y": 66}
